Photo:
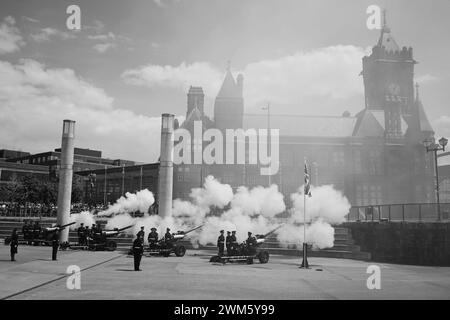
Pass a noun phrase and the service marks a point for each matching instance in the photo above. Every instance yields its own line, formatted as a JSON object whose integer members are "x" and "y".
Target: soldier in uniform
{"x": 221, "y": 243}
{"x": 138, "y": 250}
{"x": 168, "y": 235}
{"x": 36, "y": 231}
{"x": 55, "y": 244}
{"x": 251, "y": 243}
{"x": 141, "y": 234}
{"x": 152, "y": 238}
{"x": 80, "y": 232}
{"x": 87, "y": 235}
{"x": 228, "y": 242}
{"x": 25, "y": 230}
{"x": 234, "y": 243}
{"x": 14, "y": 244}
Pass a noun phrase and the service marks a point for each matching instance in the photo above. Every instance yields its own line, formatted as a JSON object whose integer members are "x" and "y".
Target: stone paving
{"x": 110, "y": 275}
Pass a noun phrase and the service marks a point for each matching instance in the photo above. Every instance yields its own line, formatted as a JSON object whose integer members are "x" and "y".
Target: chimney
{"x": 165, "y": 177}
{"x": 65, "y": 178}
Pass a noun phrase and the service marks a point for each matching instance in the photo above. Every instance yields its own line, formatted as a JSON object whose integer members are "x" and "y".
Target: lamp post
{"x": 268, "y": 136}
{"x": 431, "y": 146}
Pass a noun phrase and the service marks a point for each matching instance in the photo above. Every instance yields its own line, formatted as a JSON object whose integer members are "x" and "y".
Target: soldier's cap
{"x": 142, "y": 227}
{"x": 221, "y": 231}
{"x": 168, "y": 229}
{"x": 233, "y": 231}
{"x": 249, "y": 233}
{"x": 153, "y": 228}
{"x": 228, "y": 231}
{"x": 82, "y": 224}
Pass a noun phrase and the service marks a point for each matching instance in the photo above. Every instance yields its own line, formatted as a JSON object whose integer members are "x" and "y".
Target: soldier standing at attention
{"x": 152, "y": 238}
{"x": 221, "y": 243}
{"x": 25, "y": 229}
{"x": 138, "y": 250}
{"x": 141, "y": 234}
{"x": 234, "y": 243}
{"x": 80, "y": 232}
{"x": 86, "y": 236}
{"x": 55, "y": 244}
{"x": 167, "y": 236}
{"x": 228, "y": 242}
{"x": 14, "y": 244}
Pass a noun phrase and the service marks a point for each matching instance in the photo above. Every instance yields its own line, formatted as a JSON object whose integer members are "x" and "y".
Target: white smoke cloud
{"x": 253, "y": 210}
{"x": 85, "y": 217}
{"x": 326, "y": 203}
{"x": 132, "y": 202}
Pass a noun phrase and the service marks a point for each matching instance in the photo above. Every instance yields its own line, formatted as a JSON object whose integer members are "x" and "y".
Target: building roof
{"x": 305, "y": 126}
{"x": 386, "y": 40}
{"x": 368, "y": 125}
{"x": 229, "y": 87}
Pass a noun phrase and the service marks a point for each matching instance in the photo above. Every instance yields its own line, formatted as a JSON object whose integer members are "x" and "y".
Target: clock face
{"x": 394, "y": 89}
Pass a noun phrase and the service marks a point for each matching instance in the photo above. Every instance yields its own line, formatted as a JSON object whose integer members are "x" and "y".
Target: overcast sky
{"x": 133, "y": 60}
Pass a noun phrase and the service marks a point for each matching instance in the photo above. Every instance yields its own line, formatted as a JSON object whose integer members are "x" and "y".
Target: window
{"x": 338, "y": 158}
{"x": 374, "y": 162}
{"x": 357, "y": 161}
{"x": 368, "y": 194}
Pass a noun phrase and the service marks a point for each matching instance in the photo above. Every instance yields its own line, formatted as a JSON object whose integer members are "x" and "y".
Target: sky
{"x": 133, "y": 60}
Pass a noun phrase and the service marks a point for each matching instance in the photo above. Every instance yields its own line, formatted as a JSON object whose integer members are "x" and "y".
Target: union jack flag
{"x": 307, "y": 181}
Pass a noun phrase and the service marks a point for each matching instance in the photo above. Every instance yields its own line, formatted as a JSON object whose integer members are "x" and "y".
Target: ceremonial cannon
{"x": 247, "y": 251}
{"x": 99, "y": 241}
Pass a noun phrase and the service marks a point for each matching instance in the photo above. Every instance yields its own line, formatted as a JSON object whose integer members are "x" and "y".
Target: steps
{"x": 344, "y": 246}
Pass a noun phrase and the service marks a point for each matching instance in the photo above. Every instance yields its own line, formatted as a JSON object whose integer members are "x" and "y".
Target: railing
{"x": 410, "y": 212}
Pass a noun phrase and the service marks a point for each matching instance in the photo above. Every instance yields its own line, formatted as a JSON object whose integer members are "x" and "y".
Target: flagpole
{"x": 305, "y": 264}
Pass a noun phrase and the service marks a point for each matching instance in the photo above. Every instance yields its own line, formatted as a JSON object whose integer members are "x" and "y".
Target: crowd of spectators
{"x": 15, "y": 209}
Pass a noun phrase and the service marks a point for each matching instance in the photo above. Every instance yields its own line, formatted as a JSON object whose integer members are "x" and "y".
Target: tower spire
{"x": 417, "y": 91}
{"x": 228, "y": 65}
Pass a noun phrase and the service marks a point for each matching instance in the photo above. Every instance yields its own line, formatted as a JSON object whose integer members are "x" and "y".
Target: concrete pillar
{"x": 165, "y": 176}
{"x": 65, "y": 177}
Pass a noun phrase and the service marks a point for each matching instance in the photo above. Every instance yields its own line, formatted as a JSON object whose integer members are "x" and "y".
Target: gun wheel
{"x": 180, "y": 251}
{"x": 111, "y": 246}
{"x": 263, "y": 257}
{"x": 249, "y": 260}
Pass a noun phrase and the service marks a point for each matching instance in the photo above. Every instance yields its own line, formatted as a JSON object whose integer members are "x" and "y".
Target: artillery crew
{"x": 26, "y": 230}
{"x": 80, "y": 233}
{"x": 234, "y": 243}
{"x": 228, "y": 242}
{"x": 87, "y": 236}
{"x": 36, "y": 231}
{"x": 55, "y": 244}
{"x": 251, "y": 243}
{"x": 141, "y": 234}
{"x": 152, "y": 238}
{"x": 138, "y": 250}
{"x": 221, "y": 243}
{"x": 168, "y": 235}
{"x": 14, "y": 244}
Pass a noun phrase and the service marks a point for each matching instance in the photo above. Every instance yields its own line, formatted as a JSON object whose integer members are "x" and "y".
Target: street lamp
{"x": 268, "y": 137}
{"x": 431, "y": 146}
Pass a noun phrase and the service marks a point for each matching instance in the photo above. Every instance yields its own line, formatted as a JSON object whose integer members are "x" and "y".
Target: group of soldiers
{"x": 86, "y": 234}
{"x": 153, "y": 238}
{"x": 230, "y": 242}
{"x": 31, "y": 231}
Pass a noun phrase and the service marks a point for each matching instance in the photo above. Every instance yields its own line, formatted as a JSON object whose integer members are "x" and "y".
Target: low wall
{"x": 404, "y": 242}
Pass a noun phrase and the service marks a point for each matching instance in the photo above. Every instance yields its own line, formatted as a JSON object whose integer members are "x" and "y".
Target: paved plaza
{"x": 109, "y": 275}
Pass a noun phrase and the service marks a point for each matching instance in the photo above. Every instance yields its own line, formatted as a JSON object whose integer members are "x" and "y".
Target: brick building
{"x": 374, "y": 157}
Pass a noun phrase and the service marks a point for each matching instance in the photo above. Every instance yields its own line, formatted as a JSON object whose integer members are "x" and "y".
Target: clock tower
{"x": 389, "y": 82}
